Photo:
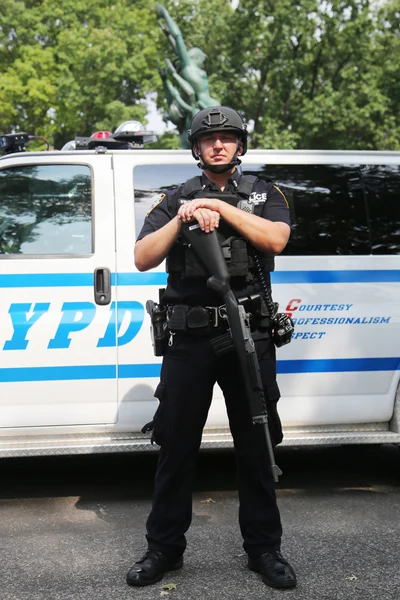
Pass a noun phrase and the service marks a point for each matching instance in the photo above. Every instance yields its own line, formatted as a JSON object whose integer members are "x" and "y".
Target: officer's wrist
{"x": 221, "y": 205}
{"x": 178, "y": 221}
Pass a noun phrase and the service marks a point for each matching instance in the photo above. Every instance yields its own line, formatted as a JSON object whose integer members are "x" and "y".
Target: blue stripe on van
{"x": 338, "y": 365}
{"x": 142, "y": 278}
{"x": 135, "y": 371}
{"x": 352, "y": 276}
{"x": 73, "y": 373}
{"x": 34, "y": 280}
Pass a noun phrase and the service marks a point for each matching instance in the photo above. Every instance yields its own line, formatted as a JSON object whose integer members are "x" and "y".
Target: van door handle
{"x": 102, "y": 286}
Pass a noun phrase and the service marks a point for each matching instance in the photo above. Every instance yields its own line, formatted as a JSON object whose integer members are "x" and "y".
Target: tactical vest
{"x": 237, "y": 251}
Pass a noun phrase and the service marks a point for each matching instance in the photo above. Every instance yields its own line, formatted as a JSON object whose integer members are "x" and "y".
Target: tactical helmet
{"x": 217, "y": 118}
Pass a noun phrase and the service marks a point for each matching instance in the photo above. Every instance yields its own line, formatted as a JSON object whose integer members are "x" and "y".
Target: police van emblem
{"x": 159, "y": 198}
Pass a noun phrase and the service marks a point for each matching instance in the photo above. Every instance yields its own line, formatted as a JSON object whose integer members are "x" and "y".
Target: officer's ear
{"x": 240, "y": 150}
{"x": 195, "y": 151}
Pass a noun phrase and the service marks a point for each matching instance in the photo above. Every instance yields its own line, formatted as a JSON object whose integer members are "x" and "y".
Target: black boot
{"x": 275, "y": 570}
{"x": 151, "y": 568}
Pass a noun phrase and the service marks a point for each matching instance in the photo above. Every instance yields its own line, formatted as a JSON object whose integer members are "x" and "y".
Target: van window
{"x": 45, "y": 209}
{"x": 150, "y": 180}
{"x": 335, "y": 209}
{"x": 327, "y": 207}
{"x": 382, "y": 185}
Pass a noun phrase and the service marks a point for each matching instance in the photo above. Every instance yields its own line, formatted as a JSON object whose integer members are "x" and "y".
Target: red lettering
{"x": 290, "y": 307}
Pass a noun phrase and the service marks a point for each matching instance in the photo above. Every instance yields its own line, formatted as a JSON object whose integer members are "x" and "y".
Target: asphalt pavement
{"x": 72, "y": 526}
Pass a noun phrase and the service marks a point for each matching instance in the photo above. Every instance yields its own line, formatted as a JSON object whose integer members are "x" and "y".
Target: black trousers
{"x": 189, "y": 371}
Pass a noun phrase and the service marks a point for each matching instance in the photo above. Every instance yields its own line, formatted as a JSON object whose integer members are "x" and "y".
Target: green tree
{"x": 307, "y": 77}
{"x": 73, "y": 67}
{"x": 386, "y": 68}
{"x": 167, "y": 141}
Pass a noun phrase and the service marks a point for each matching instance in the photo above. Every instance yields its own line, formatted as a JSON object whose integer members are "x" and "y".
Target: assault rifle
{"x": 208, "y": 249}
{"x": 281, "y": 324}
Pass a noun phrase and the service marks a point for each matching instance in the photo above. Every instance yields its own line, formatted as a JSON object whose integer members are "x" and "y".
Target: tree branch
{"x": 315, "y": 71}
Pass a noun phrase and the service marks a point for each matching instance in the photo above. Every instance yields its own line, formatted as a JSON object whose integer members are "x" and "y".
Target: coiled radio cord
{"x": 271, "y": 305}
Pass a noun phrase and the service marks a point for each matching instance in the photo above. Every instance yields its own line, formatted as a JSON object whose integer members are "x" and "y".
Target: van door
{"x": 57, "y": 318}
{"x": 139, "y": 181}
{"x": 338, "y": 278}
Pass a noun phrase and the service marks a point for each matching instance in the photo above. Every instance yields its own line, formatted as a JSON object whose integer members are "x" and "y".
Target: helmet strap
{"x": 218, "y": 169}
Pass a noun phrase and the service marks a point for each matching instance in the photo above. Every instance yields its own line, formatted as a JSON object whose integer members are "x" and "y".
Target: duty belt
{"x": 181, "y": 318}
{"x": 185, "y": 318}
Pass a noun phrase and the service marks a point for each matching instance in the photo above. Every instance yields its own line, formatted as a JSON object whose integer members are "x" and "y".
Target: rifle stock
{"x": 208, "y": 249}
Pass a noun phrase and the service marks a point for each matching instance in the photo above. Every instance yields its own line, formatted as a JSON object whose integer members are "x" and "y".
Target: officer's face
{"x": 219, "y": 147}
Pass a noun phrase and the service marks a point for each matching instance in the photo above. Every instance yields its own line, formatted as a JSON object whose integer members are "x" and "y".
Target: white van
{"x": 77, "y": 370}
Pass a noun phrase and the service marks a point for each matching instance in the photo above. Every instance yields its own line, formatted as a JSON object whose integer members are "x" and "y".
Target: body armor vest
{"x": 238, "y": 252}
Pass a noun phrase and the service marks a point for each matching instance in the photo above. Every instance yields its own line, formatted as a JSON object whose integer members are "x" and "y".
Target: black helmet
{"x": 217, "y": 118}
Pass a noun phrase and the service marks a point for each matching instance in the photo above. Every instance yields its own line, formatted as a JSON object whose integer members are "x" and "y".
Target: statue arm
{"x": 171, "y": 39}
{"x": 166, "y": 84}
{"x": 181, "y": 109}
{"x": 174, "y": 35}
{"x": 182, "y": 83}
{"x": 171, "y": 94}
{"x": 184, "y": 106}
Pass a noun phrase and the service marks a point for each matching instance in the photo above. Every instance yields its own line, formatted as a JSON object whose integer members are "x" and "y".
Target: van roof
{"x": 285, "y": 156}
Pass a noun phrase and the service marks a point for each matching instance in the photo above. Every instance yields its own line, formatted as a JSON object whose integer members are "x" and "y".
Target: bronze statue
{"x": 190, "y": 92}
{"x": 179, "y": 111}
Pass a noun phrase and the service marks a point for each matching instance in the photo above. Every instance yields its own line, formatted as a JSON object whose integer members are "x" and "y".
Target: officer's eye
{"x": 227, "y": 139}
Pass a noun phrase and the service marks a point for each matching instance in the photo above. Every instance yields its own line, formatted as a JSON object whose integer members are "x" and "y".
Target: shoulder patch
{"x": 284, "y": 197}
{"x": 159, "y": 198}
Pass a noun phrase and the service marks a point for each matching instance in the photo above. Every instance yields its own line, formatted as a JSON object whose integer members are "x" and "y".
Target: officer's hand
{"x": 210, "y": 203}
{"x": 187, "y": 209}
{"x": 206, "y": 218}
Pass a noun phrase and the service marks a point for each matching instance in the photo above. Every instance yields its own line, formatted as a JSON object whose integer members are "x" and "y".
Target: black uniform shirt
{"x": 269, "y": 203}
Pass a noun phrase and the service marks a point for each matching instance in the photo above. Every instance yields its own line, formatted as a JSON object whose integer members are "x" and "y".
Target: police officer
{"x": 191, "y": 366}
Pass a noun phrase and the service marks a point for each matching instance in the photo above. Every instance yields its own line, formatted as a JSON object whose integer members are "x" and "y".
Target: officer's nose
{"x": 217, "y": 143}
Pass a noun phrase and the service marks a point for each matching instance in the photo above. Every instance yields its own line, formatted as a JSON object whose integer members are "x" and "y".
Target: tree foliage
{"x": 309, "y": 79}
{"x": 310, "y": 74}
{"x": 71, "y": 67}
